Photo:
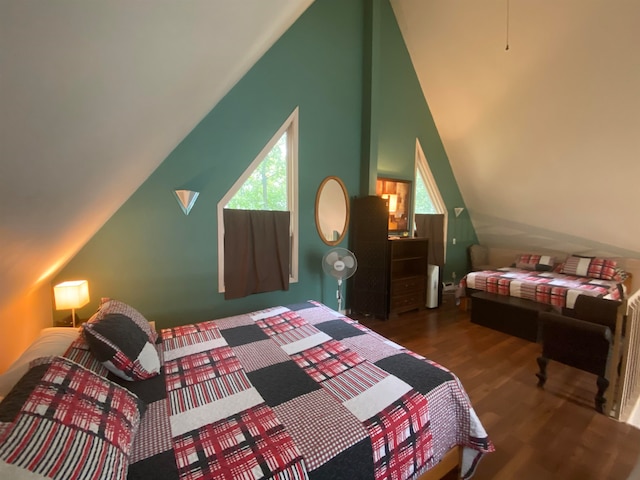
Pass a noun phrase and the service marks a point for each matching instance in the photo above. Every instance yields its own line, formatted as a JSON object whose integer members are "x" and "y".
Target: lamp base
{"x": 67, "y": 321}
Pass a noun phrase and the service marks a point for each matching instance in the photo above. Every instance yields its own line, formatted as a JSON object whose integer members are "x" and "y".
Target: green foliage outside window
{"x": 266, "y": 188}
{"x": 423, "y": 199}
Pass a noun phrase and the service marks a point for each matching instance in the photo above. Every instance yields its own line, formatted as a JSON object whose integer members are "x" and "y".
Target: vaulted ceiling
{"x": 543, "y": 138}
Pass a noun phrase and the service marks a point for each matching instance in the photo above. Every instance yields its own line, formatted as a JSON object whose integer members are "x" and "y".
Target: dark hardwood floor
{"x": 539, "y": 434}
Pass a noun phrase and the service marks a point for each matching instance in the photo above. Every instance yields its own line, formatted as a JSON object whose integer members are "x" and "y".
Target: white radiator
{"x": 433, "y": 274}
{"x": 627, "y": 391}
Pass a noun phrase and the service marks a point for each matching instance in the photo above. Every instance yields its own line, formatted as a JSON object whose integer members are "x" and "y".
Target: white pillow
{"x": 51, "y": 342}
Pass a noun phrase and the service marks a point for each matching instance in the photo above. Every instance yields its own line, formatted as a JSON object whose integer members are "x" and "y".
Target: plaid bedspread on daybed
{"x": 544, "y": 287}
{"x": 296, "y": 392}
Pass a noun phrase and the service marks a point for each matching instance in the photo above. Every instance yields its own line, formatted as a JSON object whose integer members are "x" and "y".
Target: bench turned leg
{"x": 542, "y": 374}
{"x": 603, "y": 384}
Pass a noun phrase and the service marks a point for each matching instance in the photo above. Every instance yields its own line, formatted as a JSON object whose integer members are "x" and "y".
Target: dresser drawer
{"x": 407, "y": 285}
{"x": 401, "y": 303}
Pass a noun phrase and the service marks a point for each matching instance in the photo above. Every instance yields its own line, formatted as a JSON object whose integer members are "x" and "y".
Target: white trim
{"x": 291, "y": 127}
{"x": 422, "y": 166}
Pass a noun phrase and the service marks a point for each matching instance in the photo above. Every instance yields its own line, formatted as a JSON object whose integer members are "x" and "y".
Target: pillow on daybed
{"x": 122, "y": 340}
{"x": 620, "y": 275}
{"x": 51, "y": 341}
{"x": 80, "y": 425}
{"x": 591, "y": 267}
{"x": 539, "y": 263}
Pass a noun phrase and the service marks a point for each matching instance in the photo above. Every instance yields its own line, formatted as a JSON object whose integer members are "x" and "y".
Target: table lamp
{"x": 71, "y": 295}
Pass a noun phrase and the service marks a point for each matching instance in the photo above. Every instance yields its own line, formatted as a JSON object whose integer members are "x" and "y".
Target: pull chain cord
{"x": 507, "y": 47}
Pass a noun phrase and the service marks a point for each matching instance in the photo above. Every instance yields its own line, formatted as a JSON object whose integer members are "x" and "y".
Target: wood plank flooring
{"x": 539, "y": 434}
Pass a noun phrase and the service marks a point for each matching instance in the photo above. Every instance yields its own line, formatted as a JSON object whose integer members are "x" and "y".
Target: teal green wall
{"x": 403, "y": 116}
{"x": 151, "y": 255}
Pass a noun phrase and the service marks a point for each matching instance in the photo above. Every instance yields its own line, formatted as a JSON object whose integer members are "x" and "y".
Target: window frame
{"x": 290, "y": 126}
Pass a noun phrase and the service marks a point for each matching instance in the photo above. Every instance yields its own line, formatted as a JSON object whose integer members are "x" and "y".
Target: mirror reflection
{"x": 332, "y": 210}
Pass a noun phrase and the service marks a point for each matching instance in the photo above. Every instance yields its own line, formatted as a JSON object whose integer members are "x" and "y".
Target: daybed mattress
{"x": 552, "y": 288}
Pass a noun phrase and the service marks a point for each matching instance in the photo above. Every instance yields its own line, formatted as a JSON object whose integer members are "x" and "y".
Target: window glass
{"x": 424, "y": 204}
{"x": 266, "y": 187}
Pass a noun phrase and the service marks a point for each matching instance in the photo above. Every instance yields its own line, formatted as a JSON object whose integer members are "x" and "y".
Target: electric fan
{"x": 340, "y": 263}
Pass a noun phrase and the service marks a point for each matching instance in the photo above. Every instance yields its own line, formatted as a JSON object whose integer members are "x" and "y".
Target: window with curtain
{"x": 427, "y": 195}
{"x": 270, "y": 183}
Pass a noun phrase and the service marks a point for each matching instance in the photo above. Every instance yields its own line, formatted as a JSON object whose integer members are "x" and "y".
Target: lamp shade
{"x": 393, "y": 201}
{"x": 72, "y": 294}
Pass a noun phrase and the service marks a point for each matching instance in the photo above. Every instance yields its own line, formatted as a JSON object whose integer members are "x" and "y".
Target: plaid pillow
{"x": 122, "y": 346}
{"x": 63, "y": 421}
{"x": 620, "y": 275}
{"x": 109, "y": 305}
{"x": 600, "y": 268}
{"x": 540, "y": 263}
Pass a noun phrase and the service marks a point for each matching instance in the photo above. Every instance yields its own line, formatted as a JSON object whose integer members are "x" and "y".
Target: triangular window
{"x": 269, "y": 183}
{"x": 428, "y": 198}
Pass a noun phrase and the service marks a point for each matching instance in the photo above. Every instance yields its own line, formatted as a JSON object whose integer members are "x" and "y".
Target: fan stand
{"x": 339, "y": 295}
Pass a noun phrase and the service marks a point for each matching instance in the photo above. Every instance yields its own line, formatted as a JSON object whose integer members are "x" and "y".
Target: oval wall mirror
{"x": 332, "y": 210}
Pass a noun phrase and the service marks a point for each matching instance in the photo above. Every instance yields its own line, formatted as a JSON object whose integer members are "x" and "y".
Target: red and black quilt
{"x": 558, "y": 289}
{"x": 297, "y": 392}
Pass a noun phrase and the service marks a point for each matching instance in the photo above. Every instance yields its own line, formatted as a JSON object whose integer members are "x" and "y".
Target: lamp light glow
{"x": 71, "y": 295}
{"x": 393, "y": 201}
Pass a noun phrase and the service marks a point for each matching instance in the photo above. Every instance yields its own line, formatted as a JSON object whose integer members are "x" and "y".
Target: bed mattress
{"x": 552, "y": 288}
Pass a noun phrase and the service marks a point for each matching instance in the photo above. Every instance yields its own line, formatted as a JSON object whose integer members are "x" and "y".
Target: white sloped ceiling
{"x": 94, "y": 96}
{"x": 543, "y": 138}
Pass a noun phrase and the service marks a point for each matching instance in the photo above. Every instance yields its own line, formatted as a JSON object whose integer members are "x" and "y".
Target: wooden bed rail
{"x": 452, "y": 460}
{"x": 626, "y": 388}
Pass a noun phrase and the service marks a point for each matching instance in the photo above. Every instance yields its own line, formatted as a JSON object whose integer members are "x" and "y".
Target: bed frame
{"x": 451, "y": 461}
{"x": 498, "y": 311}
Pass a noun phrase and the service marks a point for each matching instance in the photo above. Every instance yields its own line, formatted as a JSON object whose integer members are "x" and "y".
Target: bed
{"x": 510, "y": 298}
{"x": 288, "y": 392}
{"x": 540, "y": 279}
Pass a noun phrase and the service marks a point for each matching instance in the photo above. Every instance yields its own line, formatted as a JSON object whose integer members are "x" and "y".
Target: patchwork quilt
{"x": 295, "y": 392}
{"x": 63, "y": 422}
{"x": 551, "y": 288}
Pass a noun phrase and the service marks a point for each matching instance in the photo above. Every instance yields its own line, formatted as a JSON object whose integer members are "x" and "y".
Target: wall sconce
{"x": 457, "y": 211}
{"x": 71, "y": 295}
{"x": 393, "y": 201}
{"x": 186, "y": 199}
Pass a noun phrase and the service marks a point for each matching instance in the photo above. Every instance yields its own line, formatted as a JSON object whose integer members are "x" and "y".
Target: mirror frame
{"x": 346, "y": 202}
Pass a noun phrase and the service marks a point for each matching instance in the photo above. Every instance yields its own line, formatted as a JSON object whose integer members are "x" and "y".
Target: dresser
{"x": 408, "y": 267}
{"x": 392, "y": 272}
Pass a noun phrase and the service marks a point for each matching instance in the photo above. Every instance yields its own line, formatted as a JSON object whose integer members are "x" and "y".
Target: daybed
{"x": 288, "y": 392}
{"x": 511, "y": 298}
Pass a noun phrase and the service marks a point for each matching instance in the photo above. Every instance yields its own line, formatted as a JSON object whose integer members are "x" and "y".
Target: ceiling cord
{"x": 507, "y": 42}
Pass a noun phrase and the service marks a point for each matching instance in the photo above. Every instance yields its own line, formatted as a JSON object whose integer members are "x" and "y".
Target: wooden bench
{"x": 512, "y": 315}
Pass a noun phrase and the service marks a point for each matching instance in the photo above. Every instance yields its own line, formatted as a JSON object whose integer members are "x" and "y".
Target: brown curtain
{"x": 256, "y": 252}
{"x": 431, "y": 226}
